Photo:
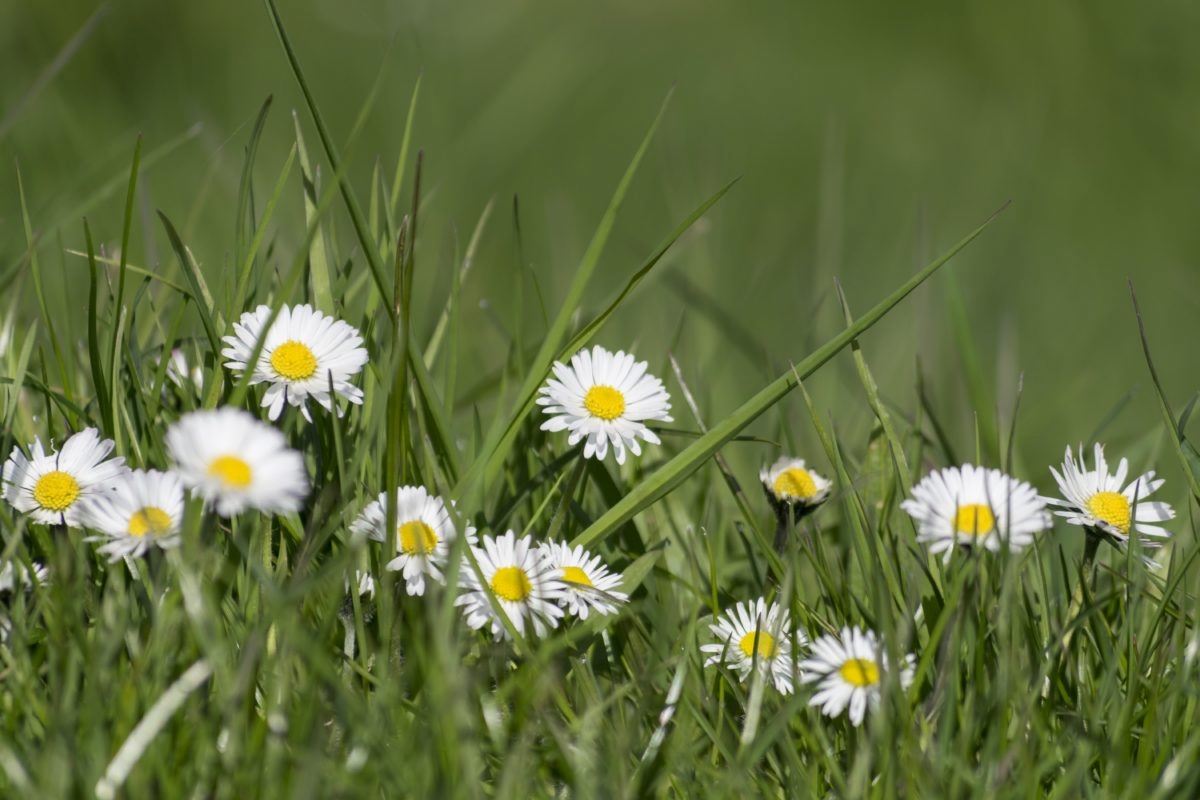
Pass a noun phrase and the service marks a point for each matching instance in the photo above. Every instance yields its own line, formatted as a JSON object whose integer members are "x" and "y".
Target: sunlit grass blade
{"x": 1176, "y": 434}
{"x": 200, "y": 295}
{"x": 691, "y": 458}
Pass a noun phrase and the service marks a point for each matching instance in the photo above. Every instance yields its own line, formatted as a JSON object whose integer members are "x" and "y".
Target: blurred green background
{"x": 869, "y": 137}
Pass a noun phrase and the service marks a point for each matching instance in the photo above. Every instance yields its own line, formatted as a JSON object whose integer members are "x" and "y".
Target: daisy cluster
{"x": 231, "y": 463}
{"x": 965, "y": 507}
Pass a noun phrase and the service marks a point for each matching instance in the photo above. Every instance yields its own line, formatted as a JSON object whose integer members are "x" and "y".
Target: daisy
{"x": 521, "y": 581}
{"x": 303, "y": 352}
{"x": 586, "y": 581}
{"x": 235, "y": 462}
{"x": 14, "y": 573}
{"x": 849, "y": 671}
{"x": 183, "y": 374}
{"x": 755, "y": 634}
{"x": 145, "y": 509}
{"x": 974, "y": 506}
{"x": 423, "y": 534}
{"x": 51, "y": 488}
{"x": 1095, "y": 499}
{"x": 604, "y": 397}
{"x": 789, "y": 483}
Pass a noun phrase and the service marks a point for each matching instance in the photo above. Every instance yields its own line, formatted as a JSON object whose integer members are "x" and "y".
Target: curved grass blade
{"x": 693, "y": 457}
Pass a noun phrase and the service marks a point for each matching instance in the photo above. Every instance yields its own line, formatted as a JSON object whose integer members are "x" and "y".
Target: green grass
{"x": 238, "y": 665}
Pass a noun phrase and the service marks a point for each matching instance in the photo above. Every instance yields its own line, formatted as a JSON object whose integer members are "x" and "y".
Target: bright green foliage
{"x": 240, "y": 666}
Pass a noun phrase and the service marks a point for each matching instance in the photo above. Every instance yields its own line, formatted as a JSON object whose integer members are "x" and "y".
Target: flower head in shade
{"x": 51, "y": 488}
{"x": 422, "y": 538}
{"x": 517, "y": 575}
{"x": 789, "y": 483}
{"x": 975, "y": 507}
{"x": 235, "y": 462}
{"x": 756, "y": 635}
{"x": 1097, "y": 500}
{"x": 587, "y": 583}
{"x": 849, "y": 670}
{"x": 144, "y": 510}
{"x": 604, "y": 398}
{"x": 303, "y": 352}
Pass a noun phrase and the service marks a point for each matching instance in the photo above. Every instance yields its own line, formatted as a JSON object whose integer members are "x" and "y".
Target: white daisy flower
{"x": 145, "y": 509}
{"x": 51, "y": 488}
{"x": 424, "y": 532}
{"x": 234, "y": 462}
{"x": 788, "y": 482}
{"x": 588, "y": 585}
{"x": 14, "y": 573}
{"x": 520, "y": 578}
{"x": 755, "y": 634}
{"x": 302, "y": 353}
{"x": 974, "y": 506}
{"x": 604, "y": 397}
{"x": 1096, "y": 499}
{"x": 849, "y": 670}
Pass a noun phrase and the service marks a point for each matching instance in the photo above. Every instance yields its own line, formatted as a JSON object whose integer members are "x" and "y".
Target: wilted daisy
{"x": 234, "y": 462}
{"x": 756, "y": 634}
{"x": 606, "y": 398}
{"x": 51, "y": 488}
{"x": 1095, "y": 499}
{"x": 973, "y": 506}
{"x": 849, "y": 670}
{"x": 790, "y": 484}
{"x": 181, "y": 373}
{"x": 423, "y": 534}
{"x": 303, "y": 352}
{"x": 14, "y": 572}
{"x": 523, "y": 582}
{"x": 586, "y": 581}
{"x": 143, "y": 510}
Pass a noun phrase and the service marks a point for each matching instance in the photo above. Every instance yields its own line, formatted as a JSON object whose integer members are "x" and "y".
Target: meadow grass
{"x": 239, "y": 664}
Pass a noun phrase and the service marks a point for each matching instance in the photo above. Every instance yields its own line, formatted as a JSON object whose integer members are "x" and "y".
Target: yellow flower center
{"x": 511, "y": 583}
{"x": 860, "y": 672}
{"x": 795, "y": 482}
{"x": 766, "y": 644}
{"x": 974, "y": 520}
{"x": 56, "y": 491}
{"x": 417, "y": 538}
{"x": 152, "y": 520}
{"x": 576, "y": 575}
{"x": 1111, "y": 507}
{"x": 604, "y": 402}
{"x": 231, "y": 471}
{"x": 294, "y": 360}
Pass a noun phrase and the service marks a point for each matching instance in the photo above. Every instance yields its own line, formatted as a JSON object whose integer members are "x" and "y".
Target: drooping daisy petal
{"x": 524, "y": 584}
{"x": 235, "y": 462}
{"x": 144, "y": 509}
{"x": 604, "y": 398}
{"x": 303, "y": 352}
{"x": 51, "y": 488}
{"x": 755, "y": 635}
{"x": 849, "y": 670}
{"x": 424, "y": 532}
{"x": 1096, "y": 499}
{"x": 588, "y": 585}
{"x": 975, "y": 507}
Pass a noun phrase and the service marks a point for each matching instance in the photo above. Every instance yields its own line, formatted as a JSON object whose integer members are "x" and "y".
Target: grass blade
{"x": 693, "y": 457}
